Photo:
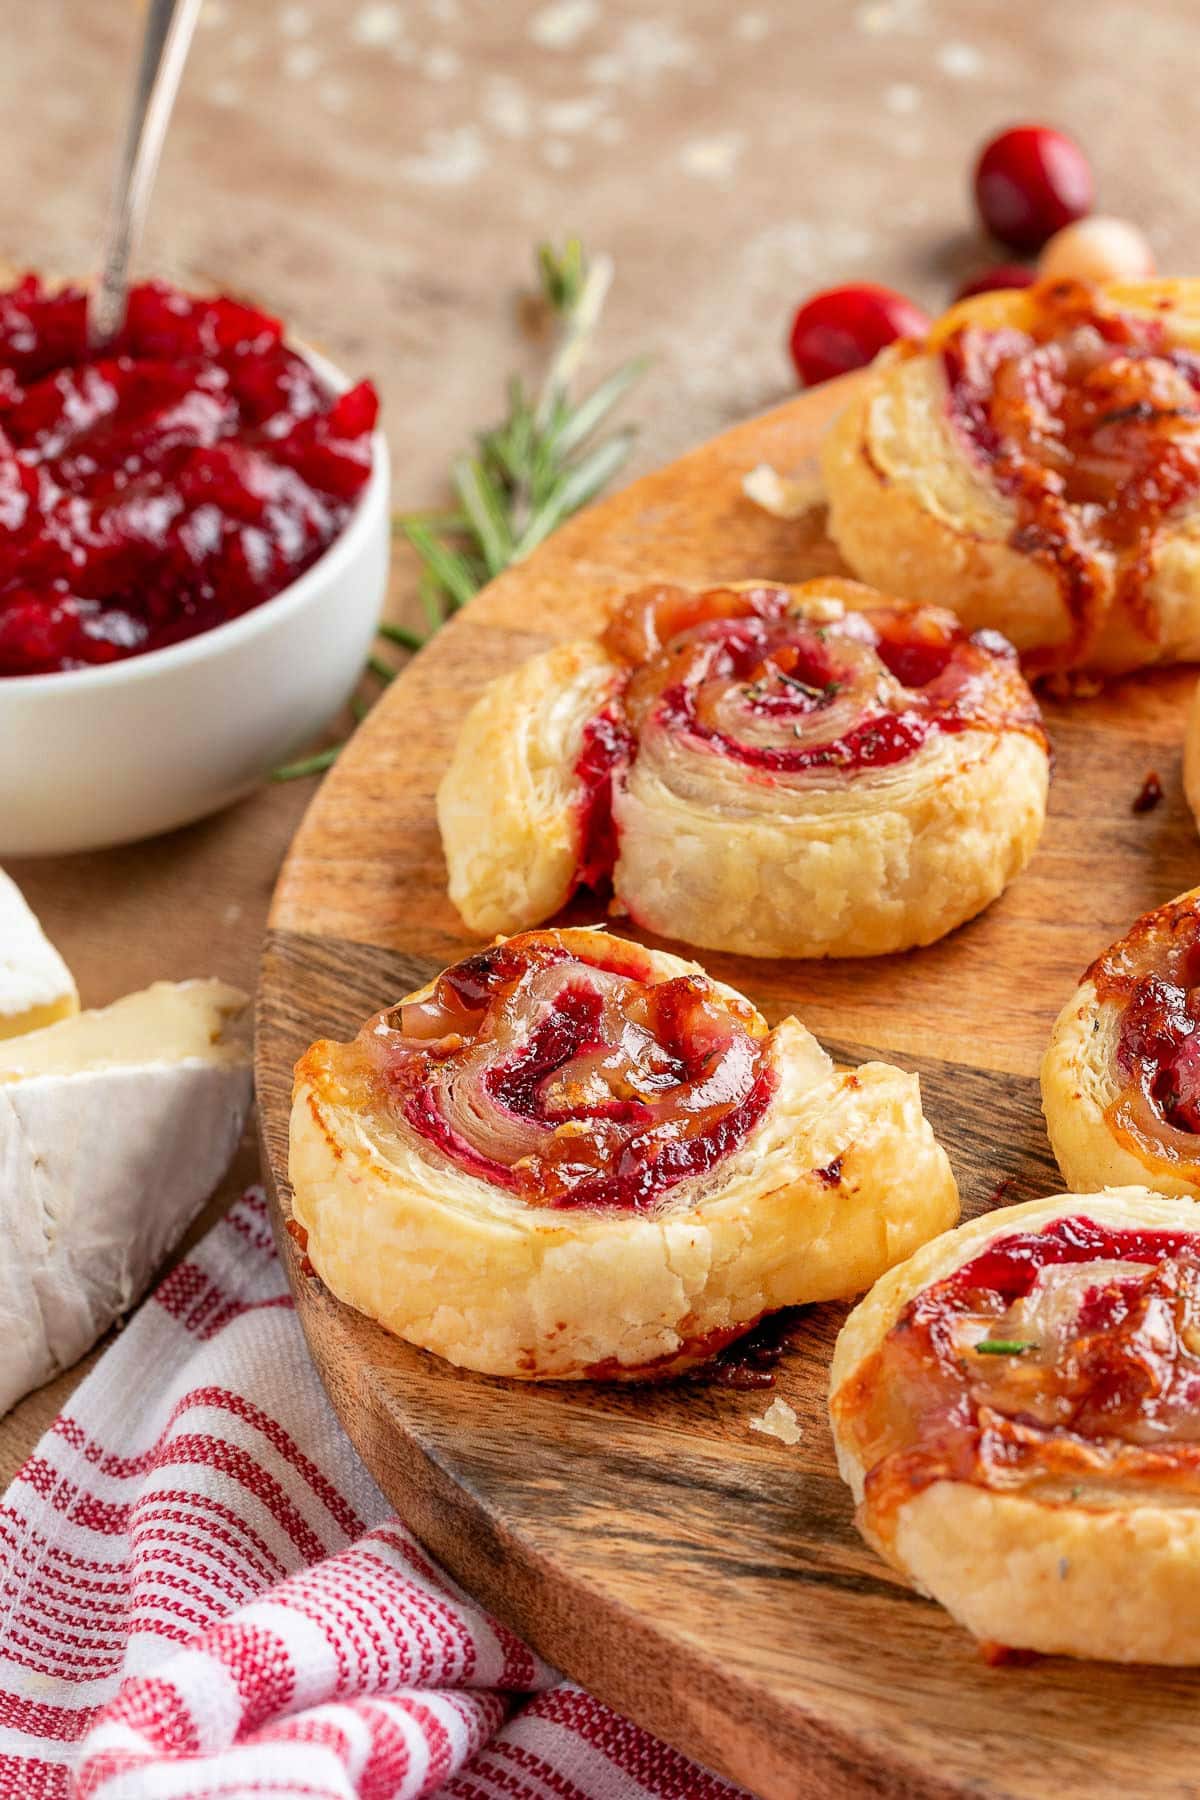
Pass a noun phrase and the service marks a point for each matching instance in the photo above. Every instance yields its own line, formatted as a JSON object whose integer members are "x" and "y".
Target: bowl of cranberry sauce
{"x": 193, "y": 556}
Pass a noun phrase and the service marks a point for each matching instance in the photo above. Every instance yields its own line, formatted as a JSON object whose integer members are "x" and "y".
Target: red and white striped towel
{"x": 203, "y": 1595}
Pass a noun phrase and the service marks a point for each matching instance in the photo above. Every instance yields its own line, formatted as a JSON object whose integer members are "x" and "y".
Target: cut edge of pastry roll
{"x": 837, "y": 1177}
{"x": 876, "y": 869}
{"x": 725, "y": 855}
{"x": 1092, "y": 1569}
{"x": 914, "y": 506}
{"x": 508, "y": 806}
{"x": 1105, "y": 1127}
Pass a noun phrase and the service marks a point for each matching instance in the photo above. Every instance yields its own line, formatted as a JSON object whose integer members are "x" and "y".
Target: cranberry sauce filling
{"x": 570, "y": 1031}
{"x": 1091, "y": 424}
{"x": 889, "y": 738}
{"x": 1052, "y": 1360}
{"x": 557, "y": 1068}
{"x": 1158, "y": 1048}
{"x": 1154, "y": 976}
{"x": 175, "y": 481}
{"x": 607, "y": 747}
{"x": 787, "y": 691}
{"x": 1009, "y": 1268}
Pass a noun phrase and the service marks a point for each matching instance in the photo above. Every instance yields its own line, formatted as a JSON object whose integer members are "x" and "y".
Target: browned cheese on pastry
{"x": 572, "y": 1158}
{"x": 1015, "y": 1410}
{"x": 1035, "y": 465}
{"x": 798, "y": 772}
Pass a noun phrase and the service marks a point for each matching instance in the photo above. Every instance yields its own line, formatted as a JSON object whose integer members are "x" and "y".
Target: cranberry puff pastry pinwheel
{"x": 1016, "y": 1411}
{"x": 572, "y": 1158}
{"x": 810, "y": 771}
{"x": 1035, "y": 464}
{"x": 1121, "y": 1078}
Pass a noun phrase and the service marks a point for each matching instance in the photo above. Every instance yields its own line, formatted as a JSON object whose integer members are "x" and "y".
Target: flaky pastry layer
{"x": 1122, "y": 1582}
{"x": 723, "y": 856}
{"x": 1082, "y": 1083}
{"x": 840, "y": 1178}
{"x": 913, "y": 511}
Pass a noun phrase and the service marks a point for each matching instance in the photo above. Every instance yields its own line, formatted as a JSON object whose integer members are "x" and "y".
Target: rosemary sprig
{"x": 525, "y": 475}
{"x": 542, "y": 462}
{"x": 307, "y": 765}
{"x": 561, "y": 273}
{"x": 399, "y": 634}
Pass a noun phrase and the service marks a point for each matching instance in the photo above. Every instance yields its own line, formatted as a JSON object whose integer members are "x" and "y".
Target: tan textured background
{"x": 377, "y": 171}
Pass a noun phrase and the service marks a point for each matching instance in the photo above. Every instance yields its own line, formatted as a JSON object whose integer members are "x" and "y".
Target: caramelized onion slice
{"x": 571, "y": 1081}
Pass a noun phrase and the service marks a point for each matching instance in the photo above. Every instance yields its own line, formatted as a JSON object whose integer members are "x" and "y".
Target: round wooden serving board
{"x": 700, "y": 1576}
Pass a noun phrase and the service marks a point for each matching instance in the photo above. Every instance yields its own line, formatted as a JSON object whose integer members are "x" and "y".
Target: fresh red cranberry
{"x": 1030, "y": 181}
{"x": 845, "y": 328}
{"x": 1002, "y": 275}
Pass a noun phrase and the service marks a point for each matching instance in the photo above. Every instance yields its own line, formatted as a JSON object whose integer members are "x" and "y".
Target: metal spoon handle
{"x": 165, "y": 44}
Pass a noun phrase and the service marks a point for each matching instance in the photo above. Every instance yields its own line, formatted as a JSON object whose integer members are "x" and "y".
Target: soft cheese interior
{"x": 115, "y": 1127}
{"x": 166, "y": 1023}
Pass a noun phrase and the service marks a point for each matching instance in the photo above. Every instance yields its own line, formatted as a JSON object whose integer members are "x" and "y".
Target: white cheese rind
{"x": 100, "y": 1173}
{"x": 36, "y": 986}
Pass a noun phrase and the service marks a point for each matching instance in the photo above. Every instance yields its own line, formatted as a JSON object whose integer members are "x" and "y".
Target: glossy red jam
{"x": 1153, "y": 976}
{"x": 752, "y": 1361}
{"x": 607, "y": 746}
{"x": 555, "y": 1066}
{"x": 1090, "y": 423}
{"x": 743, "y": 674}
{"x": 172, "y": 483}
{"x": 1056, "y": 1363}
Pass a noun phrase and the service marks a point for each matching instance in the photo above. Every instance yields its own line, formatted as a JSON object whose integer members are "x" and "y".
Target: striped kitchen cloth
{"x": 203, "y": 1595}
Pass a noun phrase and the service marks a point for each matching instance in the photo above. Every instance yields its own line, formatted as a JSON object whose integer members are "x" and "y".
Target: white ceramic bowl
{"x": 106, "y": 755}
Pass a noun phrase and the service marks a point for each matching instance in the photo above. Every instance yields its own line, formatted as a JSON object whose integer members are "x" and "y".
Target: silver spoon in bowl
{"x": 166, "y": 40}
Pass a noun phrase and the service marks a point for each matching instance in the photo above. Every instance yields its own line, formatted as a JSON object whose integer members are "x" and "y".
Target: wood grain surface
{"x": 378, "y": 174}
{"x": 703, "y": 1577}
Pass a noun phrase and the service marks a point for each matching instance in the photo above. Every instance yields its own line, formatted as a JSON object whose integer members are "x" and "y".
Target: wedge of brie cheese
{"x": 115, "y": 1127}
{"x": 35, "y": 983}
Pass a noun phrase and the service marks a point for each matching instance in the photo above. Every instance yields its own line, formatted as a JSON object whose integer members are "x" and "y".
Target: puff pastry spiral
{"x": 1121, "y": 1076}
{"x": 1015, "y": 1411}
{"x": 569, "y": 1158}
{"x": 1036, "y": 466}
{"x": 813, "y": 771}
